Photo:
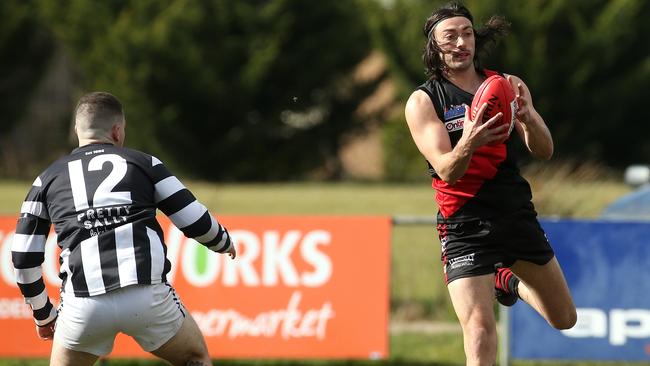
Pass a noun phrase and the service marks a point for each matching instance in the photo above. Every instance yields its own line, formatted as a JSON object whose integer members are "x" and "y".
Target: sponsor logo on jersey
{"x": 454, "y": 118}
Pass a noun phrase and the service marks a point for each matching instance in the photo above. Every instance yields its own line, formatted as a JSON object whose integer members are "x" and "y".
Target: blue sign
{"x": 607, "y": 267}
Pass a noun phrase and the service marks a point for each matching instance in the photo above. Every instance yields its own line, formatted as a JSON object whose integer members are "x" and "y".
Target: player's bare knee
{"x": 564, "y": 321}
{"x": 198, "y": 363}
{"x": 480, "y": 345}
{"x": 198, "y": 358}
{"x": 480, "y": 332}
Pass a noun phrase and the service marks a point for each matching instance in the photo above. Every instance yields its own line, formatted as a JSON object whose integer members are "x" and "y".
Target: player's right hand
{"x": 478, "y": 133}
{"x": 46, "y": 332}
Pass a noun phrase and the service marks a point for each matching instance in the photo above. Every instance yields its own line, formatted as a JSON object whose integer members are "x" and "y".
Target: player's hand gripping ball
{"x": 498, "y": 94}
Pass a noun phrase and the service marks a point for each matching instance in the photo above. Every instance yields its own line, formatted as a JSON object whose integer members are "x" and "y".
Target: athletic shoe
{"x": 503, "y": 294}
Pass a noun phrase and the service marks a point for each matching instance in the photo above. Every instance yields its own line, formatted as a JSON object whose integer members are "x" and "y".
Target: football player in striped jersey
{"x": 102, "y": 199}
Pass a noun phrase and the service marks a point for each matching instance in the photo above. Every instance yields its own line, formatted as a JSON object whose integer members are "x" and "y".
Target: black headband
{"x": 445, "y": 17}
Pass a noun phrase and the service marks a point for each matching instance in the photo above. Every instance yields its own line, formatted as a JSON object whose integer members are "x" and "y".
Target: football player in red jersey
{"x": 491, "y": 240}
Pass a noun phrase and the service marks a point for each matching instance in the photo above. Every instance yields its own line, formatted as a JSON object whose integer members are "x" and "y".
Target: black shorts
{"x": 478, "y": 246}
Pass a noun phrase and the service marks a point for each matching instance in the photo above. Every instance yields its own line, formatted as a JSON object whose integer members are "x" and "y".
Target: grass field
{"x": 417, "y": 288}
{"x": 410, "y": 349}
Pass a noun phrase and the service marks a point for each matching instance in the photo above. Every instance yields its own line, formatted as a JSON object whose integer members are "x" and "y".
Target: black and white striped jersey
{"x": 102, "y": 200}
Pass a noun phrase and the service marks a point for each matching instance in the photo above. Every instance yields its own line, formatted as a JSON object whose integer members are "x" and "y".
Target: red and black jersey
{"x": 492, "y": 184}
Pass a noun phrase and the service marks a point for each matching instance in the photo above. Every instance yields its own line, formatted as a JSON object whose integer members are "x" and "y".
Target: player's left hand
{"x": 232, "y": 252}
{"x": 46, "y": 332}
{"x": 523, "y": 100}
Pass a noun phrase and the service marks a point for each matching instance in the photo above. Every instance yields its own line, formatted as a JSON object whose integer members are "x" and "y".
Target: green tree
{"x": 25, "y": 49}
{"x": 588, "y": 64}
{"x": 252, "y": 90}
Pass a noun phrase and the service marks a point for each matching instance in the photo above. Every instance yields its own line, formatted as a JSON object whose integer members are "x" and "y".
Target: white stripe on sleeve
{"x": 28, "y": 243}
{"x": 155, "y": 161}
{"x": 28, "y": 275}
{"x": 38, "y": 301}
{"x": 221, "y": 244}
{"x": 211, "y": 234}
{"x": 167, "y": 187}
{"x": 53, "y": 314}
{"x": 188, "y": 215}
{"x": 33, "y": 208}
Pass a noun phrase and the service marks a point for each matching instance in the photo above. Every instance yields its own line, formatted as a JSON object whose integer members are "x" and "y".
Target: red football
{"x": 497, "y": 93}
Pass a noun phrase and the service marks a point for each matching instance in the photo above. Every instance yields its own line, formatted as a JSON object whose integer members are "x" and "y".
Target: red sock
{"x": 506, "y": 281}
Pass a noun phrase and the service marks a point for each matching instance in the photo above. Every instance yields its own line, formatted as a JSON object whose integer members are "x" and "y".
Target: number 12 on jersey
{"x": 104, "y": 195}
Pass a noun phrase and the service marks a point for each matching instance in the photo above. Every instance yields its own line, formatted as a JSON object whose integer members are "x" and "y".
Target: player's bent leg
{"x": 186, "y": 347}
{"x": 546, "y": 290}
{"x": 473, "y": 300}
{"x": 62, "y": 356}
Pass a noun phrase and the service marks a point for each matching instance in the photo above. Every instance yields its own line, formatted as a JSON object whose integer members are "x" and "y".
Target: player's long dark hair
{"x": 485, "y": 37}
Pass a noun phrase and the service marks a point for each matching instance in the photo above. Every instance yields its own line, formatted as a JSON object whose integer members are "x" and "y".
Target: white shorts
{"x": 151, "y": 314}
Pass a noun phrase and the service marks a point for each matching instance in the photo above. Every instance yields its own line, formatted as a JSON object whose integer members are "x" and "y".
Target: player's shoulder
{"x": 418, "y": 98}
{"x": 419, "y": 105}
{"x": 135, "y": 156}
{"x": 128, "y": 152}
{"x": 56, "y": 168}
{"x": 426, "y": 95}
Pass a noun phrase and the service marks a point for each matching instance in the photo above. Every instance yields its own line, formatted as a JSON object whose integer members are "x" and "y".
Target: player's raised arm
{"x": 432, "y": 138}
{"x": 28, "y": 254}
{"x": 530, "y": 125}
{"x": 187, "y": 213}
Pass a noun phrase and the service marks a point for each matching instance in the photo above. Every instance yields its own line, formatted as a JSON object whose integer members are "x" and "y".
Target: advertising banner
{"x": 300, "y": 287}
{"x": 607, "y": 267}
